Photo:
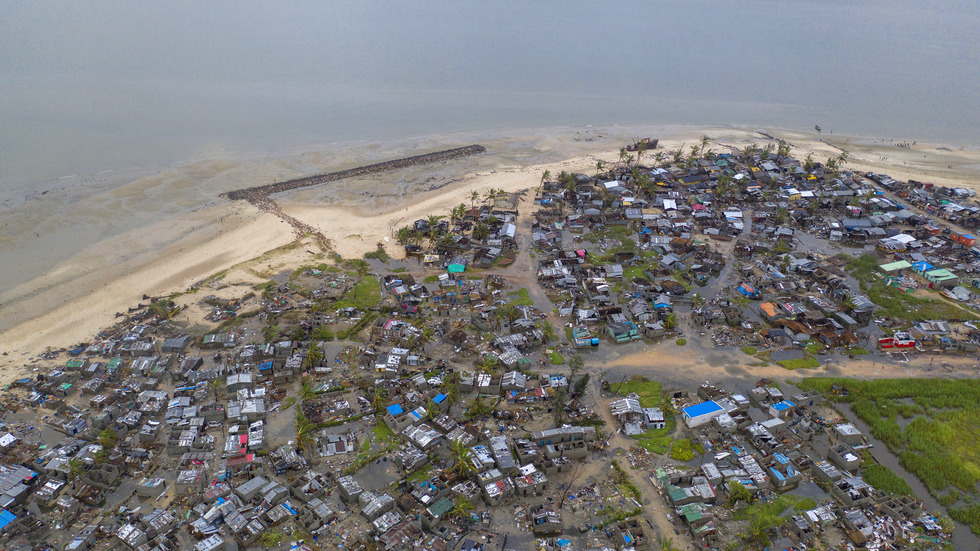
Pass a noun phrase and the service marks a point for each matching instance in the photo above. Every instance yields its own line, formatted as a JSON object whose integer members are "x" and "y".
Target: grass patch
{"x": 682, "y": 450}
{"x": 656, "y": 440}
{"x": 815, "y": 347}
{"x": 649, "y": 391}
{"x": 382, "y": 432}
{"x": 288, "y": 403}
{"x": 858, "y": 351}
{"x": 363, "y": 296}
{"x": 897, "y": 304}
{"x": 521, "y": 297}
{"x": 681, "y": 342}
{"x": 555, "y": 358}
{"x": 421, "y": 474}
{"x": 751, "y": 351}
{"x": 429, "y": 280}
{"x": 941, "y": 442}
{"x": 800, "y": 363}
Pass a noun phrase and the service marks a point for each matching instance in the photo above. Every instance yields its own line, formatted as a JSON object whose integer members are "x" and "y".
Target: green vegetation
{"x": 682, "y": 450}
{"x": 382, "y": 432}
{"x": 271, "y": 538}
{"x": 555, "y": 358}
{"x": 654, "y": 441}
{"x": 801, "y": 363}
{"x": 681, "y": 342}
{"x": 883, "y": 478}
{"x": 940, "y": 444}
{"x": 322, "y": 333}
{"x": 749, "y": 350}
{"x": 625, "y": 483}
{"x": 379, "y": 254}
{"x": 858, "y": 351}
{"x": 430, "y": 279}
{"x": 365, "y": 295}
{"x": 763, "y": 516}
{"x": 815, "y": 347}
{"x": 357, "y": 327}
{"x": 420, "y": 474}
{"x": 968, "y": 514}
{"x": 288, "y": 403}
{"x": 649, "y": 391}
{"x": 521, "y": 298}
{"x": 898, "y": 304}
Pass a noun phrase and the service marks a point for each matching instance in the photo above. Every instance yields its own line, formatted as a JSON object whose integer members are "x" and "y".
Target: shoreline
{"x": 199, "y": 235}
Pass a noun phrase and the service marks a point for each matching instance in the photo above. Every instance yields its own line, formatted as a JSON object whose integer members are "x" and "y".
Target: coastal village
{"x": 465, "y": 397}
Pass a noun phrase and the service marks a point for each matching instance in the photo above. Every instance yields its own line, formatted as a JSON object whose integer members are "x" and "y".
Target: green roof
{"x": 691, "y": 512}
{"x": 441, "y": 507}
{"x": 939, "y": 274}
{"x": 676, "y": 494}
{"x": 893, "y": 266}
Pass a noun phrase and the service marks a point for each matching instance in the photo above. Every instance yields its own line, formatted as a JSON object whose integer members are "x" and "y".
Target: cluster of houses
{"x": 433, "y": 416}
{"x": 772, "y": 444}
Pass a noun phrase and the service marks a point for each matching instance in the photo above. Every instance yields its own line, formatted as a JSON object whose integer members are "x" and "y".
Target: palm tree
{"x": 783, "y": 150}
{"x": 488, "y": 364}
{"x": 667, "y": 544}
{"x": 670, "y": 322}
{"x": 678, "y": 154}
{"x": 598, "y": 167}
{"x": 808, "y": 163}
{"x": 314, "y": 355}
{"x": 843, "y": 157}
{"x": 474, "y": 197}
{"x": 305, "y": 431}
{"x": 431, "y": 409}
{"x": 462, "y": 508}
{"x": 548, "y": 332}
{"x": 362, "y": 268}
{"x": 622, "y": 155}
{"x": 481, "y": 231}
{"x": 100, "y": 456}
{"x": 545, "y": 176}
{"x": 697, "y": 300}
{"x": 306, "y": 392}
{"x": 462, "y": 457}
{"x": 380, "y": 399}
{"x": 490, "y": 195}
{"x": 660, "y": 158}
{"x": 108, "y": 439}
{"x": 641, "y": 148}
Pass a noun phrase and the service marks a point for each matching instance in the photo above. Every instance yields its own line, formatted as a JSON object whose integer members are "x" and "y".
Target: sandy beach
{"x": 97, "y": 254}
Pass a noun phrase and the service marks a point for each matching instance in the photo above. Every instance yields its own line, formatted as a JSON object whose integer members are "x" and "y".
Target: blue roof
{"x": 703, "y": 408}
{"x": 395, "y": 409}
{"x": 6, "y": 517}
{"x": 439, "y": 398}
{"x": 785, "y": 404}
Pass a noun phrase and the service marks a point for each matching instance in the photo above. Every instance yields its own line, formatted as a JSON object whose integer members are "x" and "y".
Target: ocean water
{"x": 89, "y": 87}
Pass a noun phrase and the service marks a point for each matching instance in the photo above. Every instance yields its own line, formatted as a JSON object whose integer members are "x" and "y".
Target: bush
{"x": 749, "y": 350}
{"x": 681, "y": 342}
{"x": 801, "y": 363}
